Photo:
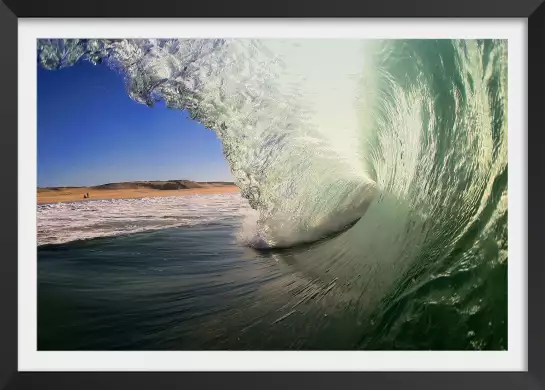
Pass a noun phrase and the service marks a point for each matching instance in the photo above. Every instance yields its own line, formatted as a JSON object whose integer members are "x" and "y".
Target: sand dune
{"x": 127, "y": 190}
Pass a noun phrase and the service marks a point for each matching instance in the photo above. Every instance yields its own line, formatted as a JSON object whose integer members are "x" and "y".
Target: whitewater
{"x": 60, "y": 223}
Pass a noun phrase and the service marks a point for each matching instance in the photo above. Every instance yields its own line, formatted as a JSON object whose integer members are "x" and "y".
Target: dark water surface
{"x": 197, "y": 288}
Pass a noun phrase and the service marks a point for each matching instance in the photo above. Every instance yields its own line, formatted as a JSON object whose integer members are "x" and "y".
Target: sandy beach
{"x": 76, "y": 194}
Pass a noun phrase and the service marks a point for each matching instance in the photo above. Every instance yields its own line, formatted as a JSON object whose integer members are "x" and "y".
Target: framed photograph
{"x": 294, "y": 193}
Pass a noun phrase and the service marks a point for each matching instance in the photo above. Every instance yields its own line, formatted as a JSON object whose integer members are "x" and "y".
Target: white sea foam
{"x": 65, "y": 222}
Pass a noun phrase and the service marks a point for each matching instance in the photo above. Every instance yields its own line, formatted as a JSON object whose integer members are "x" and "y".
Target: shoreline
{"x": 76, "y": 194}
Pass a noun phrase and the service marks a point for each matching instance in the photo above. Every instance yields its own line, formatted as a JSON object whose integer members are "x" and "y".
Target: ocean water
{"x": 191, "y": 286}
{"x": 372, "y": 214}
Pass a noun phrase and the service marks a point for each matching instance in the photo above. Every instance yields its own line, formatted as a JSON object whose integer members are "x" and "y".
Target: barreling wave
{"x": 312, "y": 129}
{"x": 408, "y": 138}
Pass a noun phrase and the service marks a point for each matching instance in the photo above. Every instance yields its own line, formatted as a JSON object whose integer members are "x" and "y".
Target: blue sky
{"x": 90, "y": 132}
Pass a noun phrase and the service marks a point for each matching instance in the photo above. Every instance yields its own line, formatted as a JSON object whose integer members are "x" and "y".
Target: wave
{"x": 406, "y": 140}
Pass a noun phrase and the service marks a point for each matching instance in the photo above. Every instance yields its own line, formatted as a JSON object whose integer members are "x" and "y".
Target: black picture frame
{"x": 531, "y": 10}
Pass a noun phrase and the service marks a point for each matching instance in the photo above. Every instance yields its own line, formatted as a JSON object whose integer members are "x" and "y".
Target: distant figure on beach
{"x": 86, "y": 195}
